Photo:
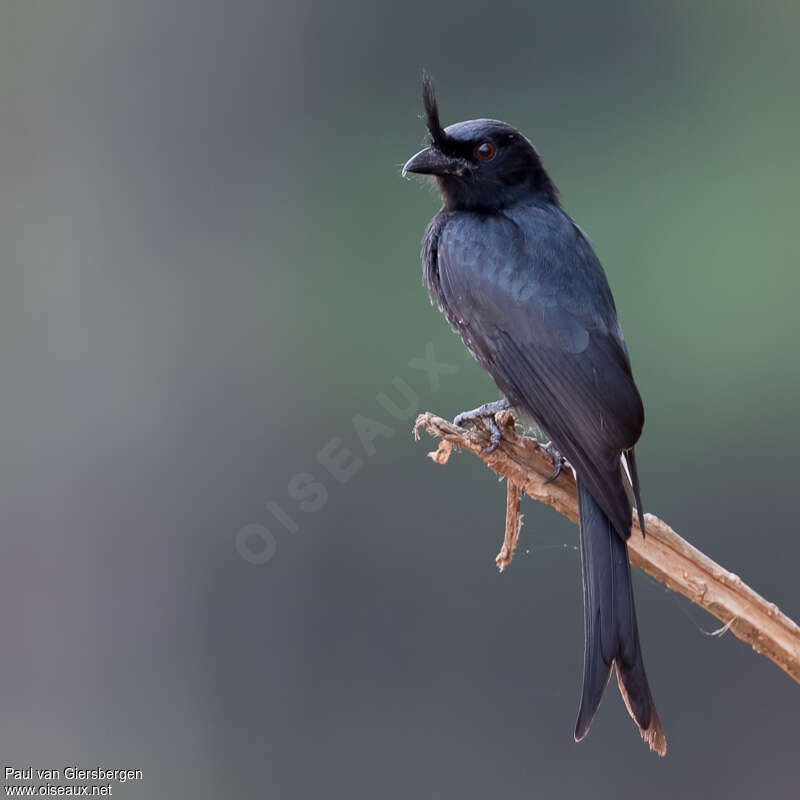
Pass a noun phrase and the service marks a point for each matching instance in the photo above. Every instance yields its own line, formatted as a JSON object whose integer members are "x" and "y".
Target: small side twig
{"x": 513, "y": 525}
{"x": 662, "y": 554}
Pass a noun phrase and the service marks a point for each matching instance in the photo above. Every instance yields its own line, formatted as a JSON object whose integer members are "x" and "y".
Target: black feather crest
{"x": 435, "y": 129}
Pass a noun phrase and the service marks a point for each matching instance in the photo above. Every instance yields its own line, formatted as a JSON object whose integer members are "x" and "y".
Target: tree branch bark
{"x": 662, "y": 554}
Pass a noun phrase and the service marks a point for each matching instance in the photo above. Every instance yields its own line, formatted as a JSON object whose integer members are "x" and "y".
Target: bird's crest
{"x": 435, "y": 129}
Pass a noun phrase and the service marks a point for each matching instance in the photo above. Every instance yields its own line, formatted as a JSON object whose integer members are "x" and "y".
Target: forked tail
{"x": 612, "y": 636}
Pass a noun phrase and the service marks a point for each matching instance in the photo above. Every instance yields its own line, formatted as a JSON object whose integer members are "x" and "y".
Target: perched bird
{"x": 521, "y": 284}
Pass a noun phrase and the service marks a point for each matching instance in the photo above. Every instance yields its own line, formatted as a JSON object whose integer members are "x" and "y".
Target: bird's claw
{"x": 495, "y": 434}
{"x": 558, "y": 460}
{"x": 486, "y": 415}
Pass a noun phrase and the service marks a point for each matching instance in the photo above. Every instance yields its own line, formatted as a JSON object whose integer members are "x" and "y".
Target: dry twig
{"x": 662, "y": 553}
{"x": 513, "y": 525}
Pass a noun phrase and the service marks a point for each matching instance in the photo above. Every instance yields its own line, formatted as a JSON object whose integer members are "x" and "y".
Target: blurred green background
{"x": 210, "y": 266}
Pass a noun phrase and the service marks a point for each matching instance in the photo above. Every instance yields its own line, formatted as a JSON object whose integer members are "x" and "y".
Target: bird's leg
{"x": 485, "y": 414}
{"x": 558, "y": 460}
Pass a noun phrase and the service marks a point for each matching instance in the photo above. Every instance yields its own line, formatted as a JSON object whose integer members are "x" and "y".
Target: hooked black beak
{"x": 432, "y": 161}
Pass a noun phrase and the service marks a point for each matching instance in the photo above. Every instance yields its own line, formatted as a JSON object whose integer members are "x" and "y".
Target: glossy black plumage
{"x": 521, "y": 284}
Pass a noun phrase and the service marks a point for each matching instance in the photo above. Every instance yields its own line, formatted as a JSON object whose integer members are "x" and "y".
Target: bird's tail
{"x": 612, "y": 636}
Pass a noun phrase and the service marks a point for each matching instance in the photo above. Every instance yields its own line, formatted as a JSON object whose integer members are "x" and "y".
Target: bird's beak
{"x": 432, "y": 161}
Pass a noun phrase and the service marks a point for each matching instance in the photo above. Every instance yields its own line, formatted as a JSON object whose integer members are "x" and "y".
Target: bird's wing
{"x": 530, "y": 299}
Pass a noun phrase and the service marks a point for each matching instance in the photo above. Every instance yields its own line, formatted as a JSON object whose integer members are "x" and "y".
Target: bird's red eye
{"x": 485, "y": 151}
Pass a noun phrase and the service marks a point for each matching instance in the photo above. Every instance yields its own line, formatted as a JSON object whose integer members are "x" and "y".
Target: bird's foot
{"x": 485, "y": 414}
{"x": 559, "y": 462}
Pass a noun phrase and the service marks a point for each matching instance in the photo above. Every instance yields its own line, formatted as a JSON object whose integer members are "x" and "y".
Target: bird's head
{"x": 480, "y": 164}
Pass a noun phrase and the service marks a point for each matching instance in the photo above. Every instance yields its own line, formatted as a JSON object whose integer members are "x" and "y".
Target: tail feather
{"x": 630, "y": 457}
{"x": 612, "y": 636}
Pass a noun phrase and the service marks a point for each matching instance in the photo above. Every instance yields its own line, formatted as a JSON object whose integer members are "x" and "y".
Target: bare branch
{"x": 662, "y": 553}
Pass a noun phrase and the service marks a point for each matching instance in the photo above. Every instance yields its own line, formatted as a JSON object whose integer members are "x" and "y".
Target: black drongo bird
{"x": 521, "y": 284}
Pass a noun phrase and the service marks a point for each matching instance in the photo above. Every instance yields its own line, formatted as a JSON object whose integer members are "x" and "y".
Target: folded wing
{"x": 529, "y": 298}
